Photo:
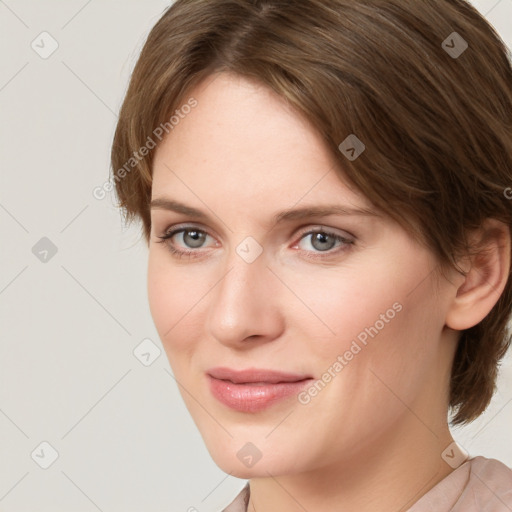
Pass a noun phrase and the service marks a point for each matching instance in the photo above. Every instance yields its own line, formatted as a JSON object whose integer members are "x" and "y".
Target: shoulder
{"x": 489, "y": 487}
{"x": 492, "y": 469}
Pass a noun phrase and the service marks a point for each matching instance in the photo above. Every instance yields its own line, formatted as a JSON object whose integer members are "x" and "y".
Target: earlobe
{"x": 487, "y": 274}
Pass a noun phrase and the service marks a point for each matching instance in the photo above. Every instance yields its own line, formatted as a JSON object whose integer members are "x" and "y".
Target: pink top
{"x": 477, "y": 485}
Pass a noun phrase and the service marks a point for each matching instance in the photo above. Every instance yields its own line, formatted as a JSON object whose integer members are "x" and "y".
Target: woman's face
{"x": 346, "y": 299}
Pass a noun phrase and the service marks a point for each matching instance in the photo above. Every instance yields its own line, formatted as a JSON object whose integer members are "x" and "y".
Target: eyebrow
{"x": 164, "y": 203}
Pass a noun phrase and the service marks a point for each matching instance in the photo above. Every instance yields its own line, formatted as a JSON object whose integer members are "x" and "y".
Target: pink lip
{"x": 253, "y": 390}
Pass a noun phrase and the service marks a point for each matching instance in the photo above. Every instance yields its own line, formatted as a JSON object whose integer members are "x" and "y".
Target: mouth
{"x": 254, "y": 390}
{"x": 255, "y": 376}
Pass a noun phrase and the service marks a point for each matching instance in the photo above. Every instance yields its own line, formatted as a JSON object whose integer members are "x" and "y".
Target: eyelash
{"x": 193, "y": 253}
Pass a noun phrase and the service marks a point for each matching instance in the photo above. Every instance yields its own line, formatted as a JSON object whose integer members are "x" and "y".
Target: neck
{"x": 387, "y": 475}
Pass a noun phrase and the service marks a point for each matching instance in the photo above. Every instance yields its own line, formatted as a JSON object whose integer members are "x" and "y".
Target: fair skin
{"x": 372, "y": 439}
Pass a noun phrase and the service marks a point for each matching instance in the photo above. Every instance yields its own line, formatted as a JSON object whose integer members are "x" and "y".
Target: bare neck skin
{"x": 389, "y": 475}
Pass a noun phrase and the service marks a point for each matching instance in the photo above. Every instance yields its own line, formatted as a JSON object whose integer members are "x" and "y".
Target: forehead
{"x": 243, "y": 141}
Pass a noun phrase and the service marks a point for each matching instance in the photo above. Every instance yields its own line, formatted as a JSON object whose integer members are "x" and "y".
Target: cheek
{"x": 176, "y": 296}
{"x": 346, "y": 304}
{"x": 383, "y": 319}
{"x": 373, "y": 364}
{"x": 160, "y": 296}
{"x": 168, "y": 296}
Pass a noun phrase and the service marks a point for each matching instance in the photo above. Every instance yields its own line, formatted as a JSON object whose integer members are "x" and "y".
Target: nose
{"x": 245, "y": 304}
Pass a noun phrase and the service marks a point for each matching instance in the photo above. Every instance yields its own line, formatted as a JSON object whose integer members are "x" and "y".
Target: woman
{"x": 323, "y": 187}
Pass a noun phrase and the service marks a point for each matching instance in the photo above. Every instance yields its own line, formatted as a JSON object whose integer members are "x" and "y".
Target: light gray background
{"x": 68, "y": 374}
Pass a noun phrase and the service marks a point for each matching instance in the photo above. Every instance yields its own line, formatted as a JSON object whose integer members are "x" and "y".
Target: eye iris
{"x": 321, "y": 238}
{"x": 196, "y": 237}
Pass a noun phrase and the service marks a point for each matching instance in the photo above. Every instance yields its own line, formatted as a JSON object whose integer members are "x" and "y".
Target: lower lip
{"x": 253, "y": 397}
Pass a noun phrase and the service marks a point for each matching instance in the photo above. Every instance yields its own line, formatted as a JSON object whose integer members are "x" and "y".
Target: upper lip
{"x": 255, "y": 375}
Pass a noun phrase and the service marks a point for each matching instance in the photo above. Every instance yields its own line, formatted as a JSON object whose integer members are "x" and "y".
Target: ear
{"x": 487, "y": 274}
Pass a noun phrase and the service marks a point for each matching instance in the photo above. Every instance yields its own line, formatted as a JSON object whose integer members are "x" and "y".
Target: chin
{"x": 243, "y": 459}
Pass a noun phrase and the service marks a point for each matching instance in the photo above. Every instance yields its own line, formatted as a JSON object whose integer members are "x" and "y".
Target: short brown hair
{"x": 436, "y": 120}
